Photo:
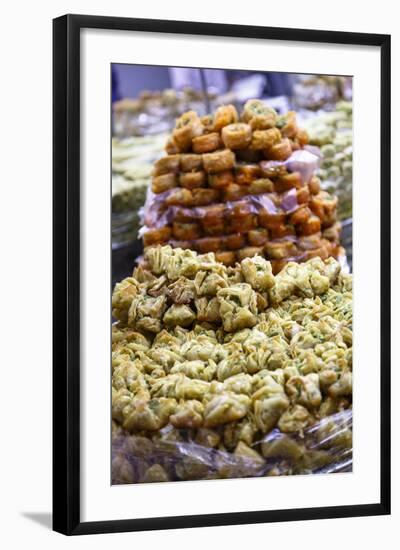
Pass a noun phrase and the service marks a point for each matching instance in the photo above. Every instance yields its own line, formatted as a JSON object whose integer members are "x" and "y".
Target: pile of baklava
{"x": 225, "y": 355}
{"x": 240, "y": 186}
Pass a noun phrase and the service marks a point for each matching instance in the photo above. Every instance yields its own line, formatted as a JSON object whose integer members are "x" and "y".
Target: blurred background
{"x": 146, "y": 100}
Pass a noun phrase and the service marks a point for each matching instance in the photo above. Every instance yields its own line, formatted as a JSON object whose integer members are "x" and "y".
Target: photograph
{"x": 221, "y": 237}
{"x": 231, "y": 299}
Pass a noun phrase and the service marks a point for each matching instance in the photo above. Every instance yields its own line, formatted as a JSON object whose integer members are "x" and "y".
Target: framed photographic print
{"x": 218, "y": 189}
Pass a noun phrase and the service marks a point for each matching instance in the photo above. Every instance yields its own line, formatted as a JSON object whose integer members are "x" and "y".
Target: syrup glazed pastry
{"x": 206, "y": 143}
{"x": 219, "y": 161}
{"x": 224, "y": 115}
{"x": 222, "y": 179}
{"x": 259, "y": 115}
{"x": 236, "y": 136}
{"x": 191, "y": 162}
{"x": 188, "y": 126}
{"x": 164, "y": 182}
{"x": 239, "y": 186}
{"x": 191, "y": 180}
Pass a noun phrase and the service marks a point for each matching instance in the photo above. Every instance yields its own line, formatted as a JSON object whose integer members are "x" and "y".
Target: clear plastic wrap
{"x": 175, "y": 455}
{"x": 295, "y": 225}
{"x": 157, "y": 213}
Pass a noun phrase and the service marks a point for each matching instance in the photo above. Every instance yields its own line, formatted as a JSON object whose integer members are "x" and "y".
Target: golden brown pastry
{"x": 206, "y": 143}
{"x": 259, "y": 115}
{"x": 170, "y": 147}
{"x": 264, "y": 139}
{"x": 242, "y": 223}
{"x": 213, "y": 214}
{"x": 260, "y": 185}
{"x": 300, "y": 216}
{"x": 224, "y": 115}
{"x": 208, "y": 244}
{"x": 235, "y": 241}
{"x": 164, "y": 182}
{"x": 202, "y": 197}
{"x": 227, "y": 257}
{"x": 289, "y": 128}
{"x": 310, "y": 242}
{"x": 287, "y": 182}
{"x": 164, "y": 165}
{"x": 281, "y": 230}
{"x": 269, "y": 219}
{"x": 184, "y": 215}
{"x": 222, "y": 179}
{"x": 186, "y": 231}
{"x": 190, "y": 162}
{"x": 233, "y": 192}
{"x": 219, "y": 161}
{"x": 279, "y": 151}
{"x": 280, "y": 249}
{"x": 323, "y": 252}
{"x": 314, "y": 185}
{"x": 257, "y": 237}
{"x": 249, "y": 252}
{"x": 302, "y": 137}
{"x": 187, "y": 127}
{"x": 192, "y": 180}
{"x": 156, "y": 236}
{"x": 236, "y": 136}
{"x": 245, "y": 174}
{"x": 333, "y": 233}
{"x": 182, "y": 197}
{"x": 312, "y": 225}
{"x": 303, "y": 195}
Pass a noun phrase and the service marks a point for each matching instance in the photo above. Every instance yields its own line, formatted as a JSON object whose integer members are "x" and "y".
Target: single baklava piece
{"x": 258, "y": 114}
{"x": 186, "y": 231}
{"x": 222, "y": 179}
{"x": 192, "y": 180}
{"x": 164, "y": 182}
{"x": 236, "y": 136}
{"x": 157, "y": 236}
{"x": 206, "y": 143}
{"x": 245, "y": 174}
{"x": 190, "y": 162}
{"x": 279, "y": 151}
{"x": 187, "y": 127}
{"x": 224, "y": 115}
{"x": 165, "y": 165}
{"x": 219, "y": 161}
{"x": 262, "y": 140}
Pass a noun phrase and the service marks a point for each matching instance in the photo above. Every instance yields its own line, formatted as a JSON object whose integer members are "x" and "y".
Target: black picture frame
{"x": 66, "y": 273}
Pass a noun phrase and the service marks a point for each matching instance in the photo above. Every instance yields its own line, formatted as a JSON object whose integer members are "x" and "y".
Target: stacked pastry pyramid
{"x": 241, "y": 186}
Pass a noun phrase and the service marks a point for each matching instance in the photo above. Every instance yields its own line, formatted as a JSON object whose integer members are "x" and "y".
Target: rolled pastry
{"x": 190, "y": 162}
{"x": 187, "y": 127}
{"x": 224, "y": 115}
{"x": 245, "y": 174}
{"x": 279, "y": 151}
{"x": 157, "y": 236}
{"x": 219, "y": 161}
{"x": 192, "y": 180}
{"x": 167, "y": 164}
{"x": 206, "y": 143}
{"x": 236, "y": 136}
{"x": 222, "y": 179}
{"x": 163, "y": 182}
